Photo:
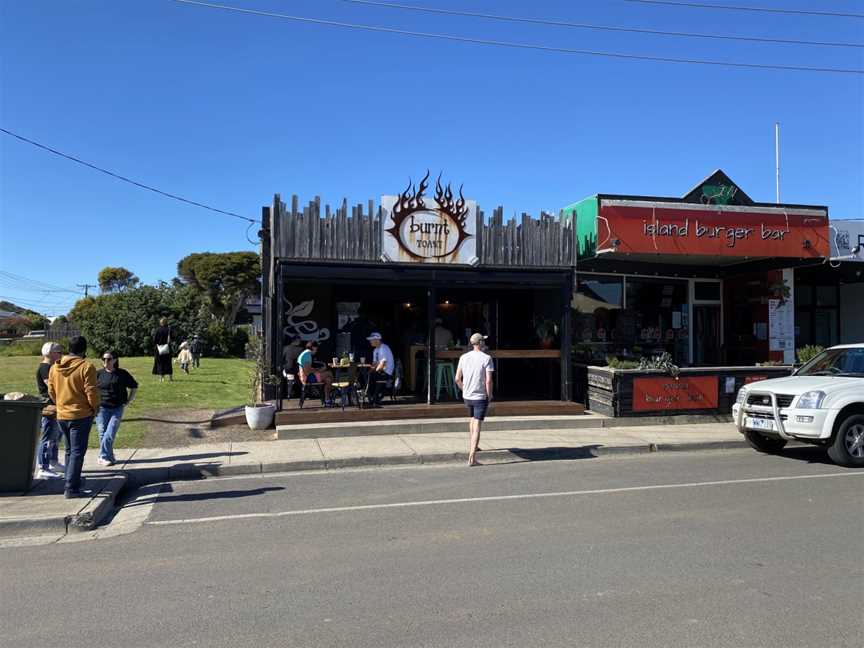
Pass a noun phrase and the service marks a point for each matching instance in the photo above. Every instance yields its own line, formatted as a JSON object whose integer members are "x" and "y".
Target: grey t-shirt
{"x": 474, "y": 366}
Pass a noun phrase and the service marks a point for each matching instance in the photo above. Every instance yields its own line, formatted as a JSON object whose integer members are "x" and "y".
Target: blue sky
{"x": 228, "y": 109}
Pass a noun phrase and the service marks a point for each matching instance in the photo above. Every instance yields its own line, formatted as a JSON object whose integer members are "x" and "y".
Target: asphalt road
{"x": 713, "y": 549}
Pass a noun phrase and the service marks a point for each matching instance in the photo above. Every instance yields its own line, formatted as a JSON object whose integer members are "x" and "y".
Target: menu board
{"x": 781, "y": 328}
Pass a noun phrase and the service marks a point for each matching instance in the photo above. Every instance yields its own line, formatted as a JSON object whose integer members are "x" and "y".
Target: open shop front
{"x": 426, "y": 316}
{"x": 706, "y": 282}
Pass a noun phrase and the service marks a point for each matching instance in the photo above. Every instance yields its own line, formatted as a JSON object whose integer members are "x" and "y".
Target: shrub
{"x": 807, "y": 353}
{"x": 614, "y": 363}
{"x": 22, "y": 348}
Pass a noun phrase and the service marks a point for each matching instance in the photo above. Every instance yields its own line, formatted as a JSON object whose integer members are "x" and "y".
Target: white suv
{"x": 821, "y": 403}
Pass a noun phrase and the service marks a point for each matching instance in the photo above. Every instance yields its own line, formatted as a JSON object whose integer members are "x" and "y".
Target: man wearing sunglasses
{"x": 117, "y": 389}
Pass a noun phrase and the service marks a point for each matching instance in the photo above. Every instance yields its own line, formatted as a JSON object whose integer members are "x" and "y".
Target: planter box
{"x": 696, "y": 390}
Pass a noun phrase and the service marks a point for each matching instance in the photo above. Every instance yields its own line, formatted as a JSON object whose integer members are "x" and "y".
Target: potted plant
{"x": 259, "y": 415}
{"x": 545, "y": 329}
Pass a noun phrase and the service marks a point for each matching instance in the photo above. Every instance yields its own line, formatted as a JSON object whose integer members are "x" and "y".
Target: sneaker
{"x": 47, "y": 473}
{"x": 56, "y": 466}
{"x": 102, "y": 461}
{"x": 71, "y": 494}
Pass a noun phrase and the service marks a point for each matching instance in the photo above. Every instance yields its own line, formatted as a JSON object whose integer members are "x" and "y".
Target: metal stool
{"x": 445, "y": 378}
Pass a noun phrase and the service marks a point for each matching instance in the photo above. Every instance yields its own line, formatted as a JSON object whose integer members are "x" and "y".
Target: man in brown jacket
{"x": 73, "y": 388}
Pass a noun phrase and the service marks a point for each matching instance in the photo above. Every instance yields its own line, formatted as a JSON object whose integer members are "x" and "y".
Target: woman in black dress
{"x": 162, "y": 351}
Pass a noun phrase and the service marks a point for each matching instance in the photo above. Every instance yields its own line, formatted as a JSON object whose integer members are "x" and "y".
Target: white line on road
{"x": 496, "y": 498}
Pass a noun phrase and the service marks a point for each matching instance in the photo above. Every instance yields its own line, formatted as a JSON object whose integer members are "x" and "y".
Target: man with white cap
{"x": 49, "y": 466}
{"x": 383, "y": 366}
{"x": 474, "y": 378}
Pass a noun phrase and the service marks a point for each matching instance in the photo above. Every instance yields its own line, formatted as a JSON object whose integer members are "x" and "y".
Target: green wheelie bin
{"x": 19, "y": 434}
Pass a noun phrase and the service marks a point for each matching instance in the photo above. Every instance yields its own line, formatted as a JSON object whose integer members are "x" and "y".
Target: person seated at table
{"x": 310, "y": 374}
{"x": 381, "y": 373}
{"x": 442, "y": 335}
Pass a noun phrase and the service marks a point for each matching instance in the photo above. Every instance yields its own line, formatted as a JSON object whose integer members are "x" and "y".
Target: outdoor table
{"x": 351, "y": 380}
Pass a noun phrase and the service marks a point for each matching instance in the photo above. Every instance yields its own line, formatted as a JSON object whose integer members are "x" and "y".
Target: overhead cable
{"x": 702, "y": 5}
{"x": 527, "y": 46}
{"x": 35, "y": 284}
{"x": 125, "y": 179}
{"x": 611, "y": 28}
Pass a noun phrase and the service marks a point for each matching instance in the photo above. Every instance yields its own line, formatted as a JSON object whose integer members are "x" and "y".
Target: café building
{"x": 707, "y": 278}
{"x": 425, "y": 267}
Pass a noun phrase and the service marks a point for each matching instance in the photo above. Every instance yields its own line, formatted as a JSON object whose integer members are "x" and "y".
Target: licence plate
{"x": 759, "y": 423}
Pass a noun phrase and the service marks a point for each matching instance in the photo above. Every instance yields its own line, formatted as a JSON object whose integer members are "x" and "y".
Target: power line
{"x": 575, "y": 25}
{"x": 543, "y": 48}
{"x": 37, "y": 286}
{"x": 701, "y": 5}
{"x": 125, "y": 179}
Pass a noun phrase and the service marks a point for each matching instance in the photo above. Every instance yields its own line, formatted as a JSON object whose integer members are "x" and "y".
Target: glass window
{"x": 826, "y": 295}
{"x": 803, "y": 295}
{"x": 597, "y": 307}
{"x": 658, "y": 317}
{"x": 825, "y": 331}
{"x": 593, "y": 291}
{"x": 706, "y": 290}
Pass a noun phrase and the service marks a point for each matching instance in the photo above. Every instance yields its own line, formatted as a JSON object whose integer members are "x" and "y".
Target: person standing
{"x": 73, "y": 388}
{"x": 162, "y": 352}
{"x": 474, "y": 378}
{"x": 117, "y": 389}
{"x": 184, "y": 358}
{"x": 49, "y": 442}
{"x": 383, "y": 366}
{"x": 196, "y": 348}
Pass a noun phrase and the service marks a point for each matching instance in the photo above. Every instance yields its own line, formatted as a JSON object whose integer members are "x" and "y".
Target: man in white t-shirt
{"x": 474, "y": 378}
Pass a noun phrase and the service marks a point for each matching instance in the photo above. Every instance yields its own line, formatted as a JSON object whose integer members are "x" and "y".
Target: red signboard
{"x": 667, "y": 393}
{"x": 712, "y": 231}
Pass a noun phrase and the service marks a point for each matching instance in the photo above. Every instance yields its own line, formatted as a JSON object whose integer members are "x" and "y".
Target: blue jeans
{"x": 46, "y": 451}
{"x": 107, "y": 423}
{"x": 76, "y": 433}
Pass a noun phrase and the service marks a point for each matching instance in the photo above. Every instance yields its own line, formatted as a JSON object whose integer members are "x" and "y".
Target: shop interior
{"x": 523, "y": 325}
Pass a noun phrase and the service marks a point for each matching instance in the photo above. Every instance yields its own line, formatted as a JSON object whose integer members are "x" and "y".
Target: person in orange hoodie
{"x": 73, "y": 387}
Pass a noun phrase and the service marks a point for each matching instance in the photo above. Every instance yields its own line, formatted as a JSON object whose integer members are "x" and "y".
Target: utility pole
{"x": 86, "y": 287}
{"x": 777, "y": 157}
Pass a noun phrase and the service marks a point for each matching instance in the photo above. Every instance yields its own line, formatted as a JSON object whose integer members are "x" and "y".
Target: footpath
{"x": 44, "y": 510}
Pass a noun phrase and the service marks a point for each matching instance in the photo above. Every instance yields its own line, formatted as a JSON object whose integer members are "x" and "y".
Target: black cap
{"x": 78, "y": 345}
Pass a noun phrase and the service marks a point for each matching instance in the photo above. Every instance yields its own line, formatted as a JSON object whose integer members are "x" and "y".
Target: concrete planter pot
{"x": 260, "y": 417}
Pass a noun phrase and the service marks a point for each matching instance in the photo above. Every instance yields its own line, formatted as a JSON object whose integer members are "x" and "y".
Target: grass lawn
{"x": 220, "y": 383}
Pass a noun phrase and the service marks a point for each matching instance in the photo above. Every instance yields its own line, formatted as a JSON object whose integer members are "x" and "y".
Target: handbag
{"x": 163, "y": 349}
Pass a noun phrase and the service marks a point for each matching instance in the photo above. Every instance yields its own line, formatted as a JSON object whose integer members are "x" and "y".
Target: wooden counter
{"x": 455, "y": 354}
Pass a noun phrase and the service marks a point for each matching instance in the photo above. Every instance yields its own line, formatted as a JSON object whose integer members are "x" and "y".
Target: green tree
{"x": 116, "y": 279}
{"x": 224, "y": 279}
{"x": 125, "y": 320}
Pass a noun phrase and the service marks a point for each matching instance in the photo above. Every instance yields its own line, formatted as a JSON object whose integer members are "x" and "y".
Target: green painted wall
{"x": 585, "y": 212}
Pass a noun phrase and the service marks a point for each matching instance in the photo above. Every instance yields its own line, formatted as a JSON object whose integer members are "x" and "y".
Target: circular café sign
{"x": 432, "y": 229}
{"x": 429, "y": 234}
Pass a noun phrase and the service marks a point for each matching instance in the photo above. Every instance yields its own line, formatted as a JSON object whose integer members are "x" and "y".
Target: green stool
{"x": 445, "y": 378}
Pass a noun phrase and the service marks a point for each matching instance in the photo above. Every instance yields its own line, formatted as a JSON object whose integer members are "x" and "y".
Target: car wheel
{"x": 848, "y": 446}
{"x": 764, "y": 444}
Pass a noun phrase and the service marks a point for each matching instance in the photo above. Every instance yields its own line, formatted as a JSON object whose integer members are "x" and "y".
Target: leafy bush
{"x": 807, "y": 353}
{"x": 614, "y": 363}
{"x": 222, "y": 342}
{"x": 125, "y": 321}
